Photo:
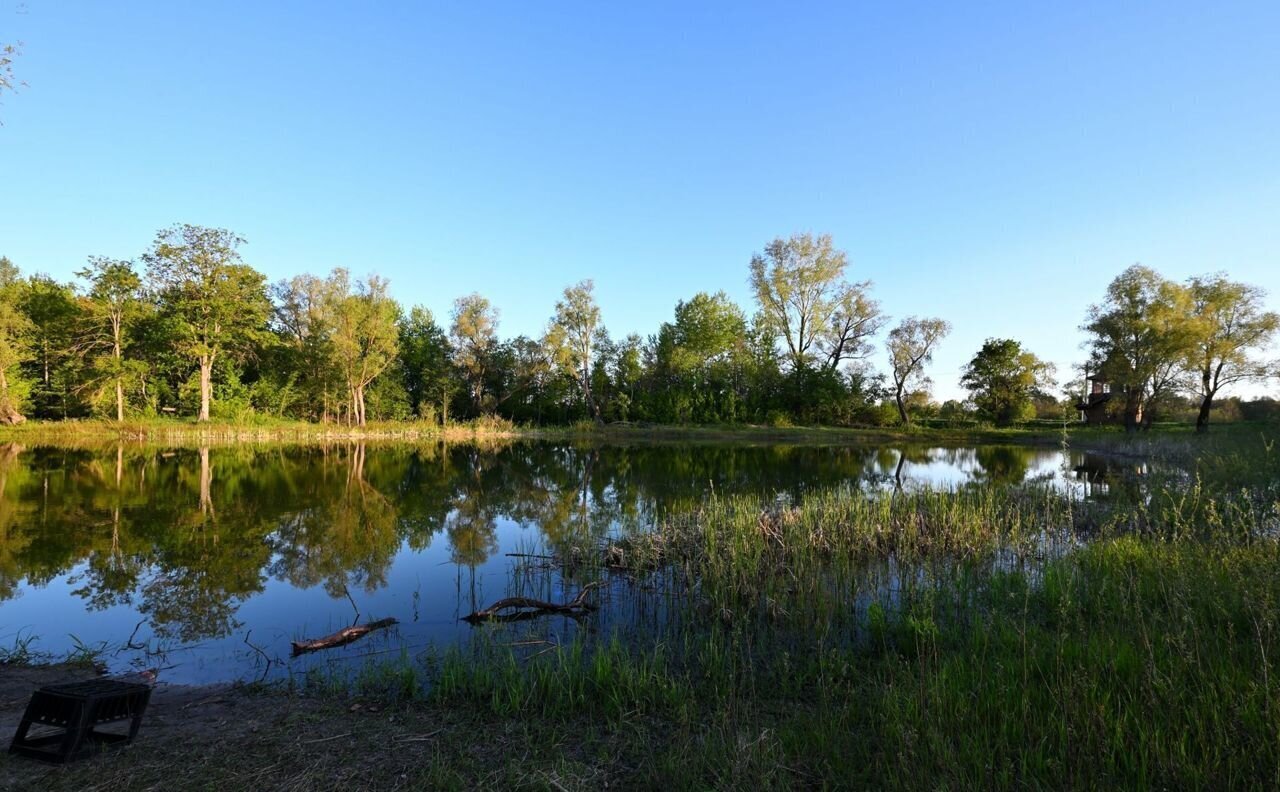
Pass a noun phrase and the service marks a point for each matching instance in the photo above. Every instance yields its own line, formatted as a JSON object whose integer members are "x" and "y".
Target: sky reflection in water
{"x": 190, "y": 551}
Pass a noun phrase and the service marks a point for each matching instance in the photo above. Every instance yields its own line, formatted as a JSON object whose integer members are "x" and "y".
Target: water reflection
{"x": 186, "y": 540}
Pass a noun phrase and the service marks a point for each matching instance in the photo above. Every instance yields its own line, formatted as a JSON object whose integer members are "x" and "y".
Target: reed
{"x": 987, "y": 636}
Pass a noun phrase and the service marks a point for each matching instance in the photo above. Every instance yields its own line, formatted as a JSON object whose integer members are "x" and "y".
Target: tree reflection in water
{"x": 185, "y": 536}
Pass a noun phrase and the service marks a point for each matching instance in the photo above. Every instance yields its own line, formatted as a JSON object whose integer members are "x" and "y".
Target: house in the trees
{"x": 1093, "y": 406}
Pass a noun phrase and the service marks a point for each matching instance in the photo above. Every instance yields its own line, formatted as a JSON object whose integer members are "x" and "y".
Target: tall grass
{"x": 986, "y": 636}
{"x": 989, "y": 637}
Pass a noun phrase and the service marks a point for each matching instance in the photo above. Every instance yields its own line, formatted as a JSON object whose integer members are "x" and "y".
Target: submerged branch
{"x": 341, "y": 637}
{"x": 520, "y": 608}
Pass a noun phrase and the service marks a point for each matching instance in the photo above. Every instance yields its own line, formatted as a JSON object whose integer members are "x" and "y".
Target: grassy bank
{"x": 1135, "y": 663}
{"x": 988, "y": 636}
{"x": 179, "y": 432}
{"x": 923, "y": 639}
{"x": 1132, "y": 664}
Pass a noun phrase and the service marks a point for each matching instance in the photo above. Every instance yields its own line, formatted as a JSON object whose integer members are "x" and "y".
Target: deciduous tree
{"x": 113, "y": 302}
{"x": 911, "y": 345}
{"x": 15, "y": 338}
{"x": 54, "y": 313}
{"x": 800, "y": 287}
{"x": 426, "y": 361}
{"x": 218, "y": 304}
{"x": 1140, "y": 335}
{"x": 1002, "y": 379}
{"x": 364, "y": 334}
{"x": 1229, "y": 324}
{"x": 572, "y": 334}
{"x": 474, "y": 335}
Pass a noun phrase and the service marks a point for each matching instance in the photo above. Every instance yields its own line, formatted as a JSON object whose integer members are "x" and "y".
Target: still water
{"x": 205, "y": 563}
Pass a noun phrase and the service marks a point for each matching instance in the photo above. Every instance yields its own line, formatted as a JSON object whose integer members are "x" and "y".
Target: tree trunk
{"x": 8, "y": 413}
{"x": 1202, "y": 420}
{"x": 902, "y": 407}
{"x": 1132, "y": 413}
{"x": 116, "y": 351}
{"x": 206, "y": 387}
{"x": 592, "y": 409}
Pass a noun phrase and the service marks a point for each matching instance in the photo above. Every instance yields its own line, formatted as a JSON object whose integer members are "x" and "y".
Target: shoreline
{"x": 186, "y": 433}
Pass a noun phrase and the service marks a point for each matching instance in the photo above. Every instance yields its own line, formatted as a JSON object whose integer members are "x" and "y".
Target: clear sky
{"x": 992, "y": 164}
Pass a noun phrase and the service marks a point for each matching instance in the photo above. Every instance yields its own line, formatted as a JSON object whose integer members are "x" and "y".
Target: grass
{"x": 23, "y": 652}
{"x": 1133, "y": 662}
{"x": 917, "y": 639}
{"x": 177, "y": 431}
{"x": 983, "y": 637}
{"x": 184, "y": 431}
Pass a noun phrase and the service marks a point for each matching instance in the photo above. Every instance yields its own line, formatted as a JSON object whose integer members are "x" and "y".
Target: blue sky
{"x": 995, "y": 165}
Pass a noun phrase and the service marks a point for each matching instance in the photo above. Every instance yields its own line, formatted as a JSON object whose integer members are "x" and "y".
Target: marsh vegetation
{"x": 794, "y": 614}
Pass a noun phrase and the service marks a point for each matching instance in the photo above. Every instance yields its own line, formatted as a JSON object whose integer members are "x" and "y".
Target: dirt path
{"x": 228, "y": 738}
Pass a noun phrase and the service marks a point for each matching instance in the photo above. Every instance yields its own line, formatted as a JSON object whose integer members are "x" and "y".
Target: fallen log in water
{"x": 341, "y": 637}
{"x": 519, "y": 608}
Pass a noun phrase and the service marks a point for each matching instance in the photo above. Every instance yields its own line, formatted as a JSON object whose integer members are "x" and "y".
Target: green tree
{"x": 529, "y": 368}
{"x": 800, "y": 287}
{"x": 365, "y": 334}
{"x": 474, "y": 336}
{"x": 699, "y": 359}
{"x": 114, "y": 301}
{"x": 15, "y": 339}
{"x": 911, "y": 345}
{"x": 1140, "y": 337}
{"x": 218, "y": 305}
{"x": 426, "y": 365}
{"x": 707, "y": 329}
{"x": 1002, "y": 378}
{"x": 1229, "y": 322}
{"x": 54, "y": 315}
{"x": 302, "y": 322}
{"x": 572, "y": 334}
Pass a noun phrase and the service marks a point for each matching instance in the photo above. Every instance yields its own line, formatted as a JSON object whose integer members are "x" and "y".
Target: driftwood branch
{"x": 519, "y": 608}
{"x": 259, "y": 650}
{"x": 341, "y": 637}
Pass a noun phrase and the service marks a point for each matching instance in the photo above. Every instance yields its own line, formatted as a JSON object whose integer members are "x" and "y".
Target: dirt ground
{"x": 231, "y": 738}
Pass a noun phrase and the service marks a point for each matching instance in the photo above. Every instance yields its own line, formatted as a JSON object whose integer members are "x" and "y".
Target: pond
{"x": 207, "y": 563}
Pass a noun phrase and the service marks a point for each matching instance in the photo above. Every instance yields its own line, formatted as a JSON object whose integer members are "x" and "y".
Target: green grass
{"x": 984, "y": 637}
{"x": 1131, "y": 663}
{"x": 936, "y": 639}
{"x": 264, "y": 429}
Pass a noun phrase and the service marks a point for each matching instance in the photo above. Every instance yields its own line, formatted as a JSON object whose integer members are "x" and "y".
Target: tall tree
{"x": 1139, "y": 337}
{"x": 54, "y": 313}
{"x": 474, "y": 335}
{"x": 1229, "y": 322}
{"x": 823, "y": 319}
{"x": 628, "y": 372}
{"x": 301, "y": 320}
{"x": 15, "y": 338}
{"x": 707, "y": 328}
{"x": 911, "y": 345}
{"x": 217, "y": 303}
{"x": 365, "y": 334}
{"x": 1002, "y": 379}
{"x": 698, "y": 358}
{"x": 572, "y": 333}
{"x": 114, "y": 300}
{"x": 426, "y": 363}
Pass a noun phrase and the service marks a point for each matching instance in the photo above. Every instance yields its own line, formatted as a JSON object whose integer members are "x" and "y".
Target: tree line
{"x": 189, "y": 329}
